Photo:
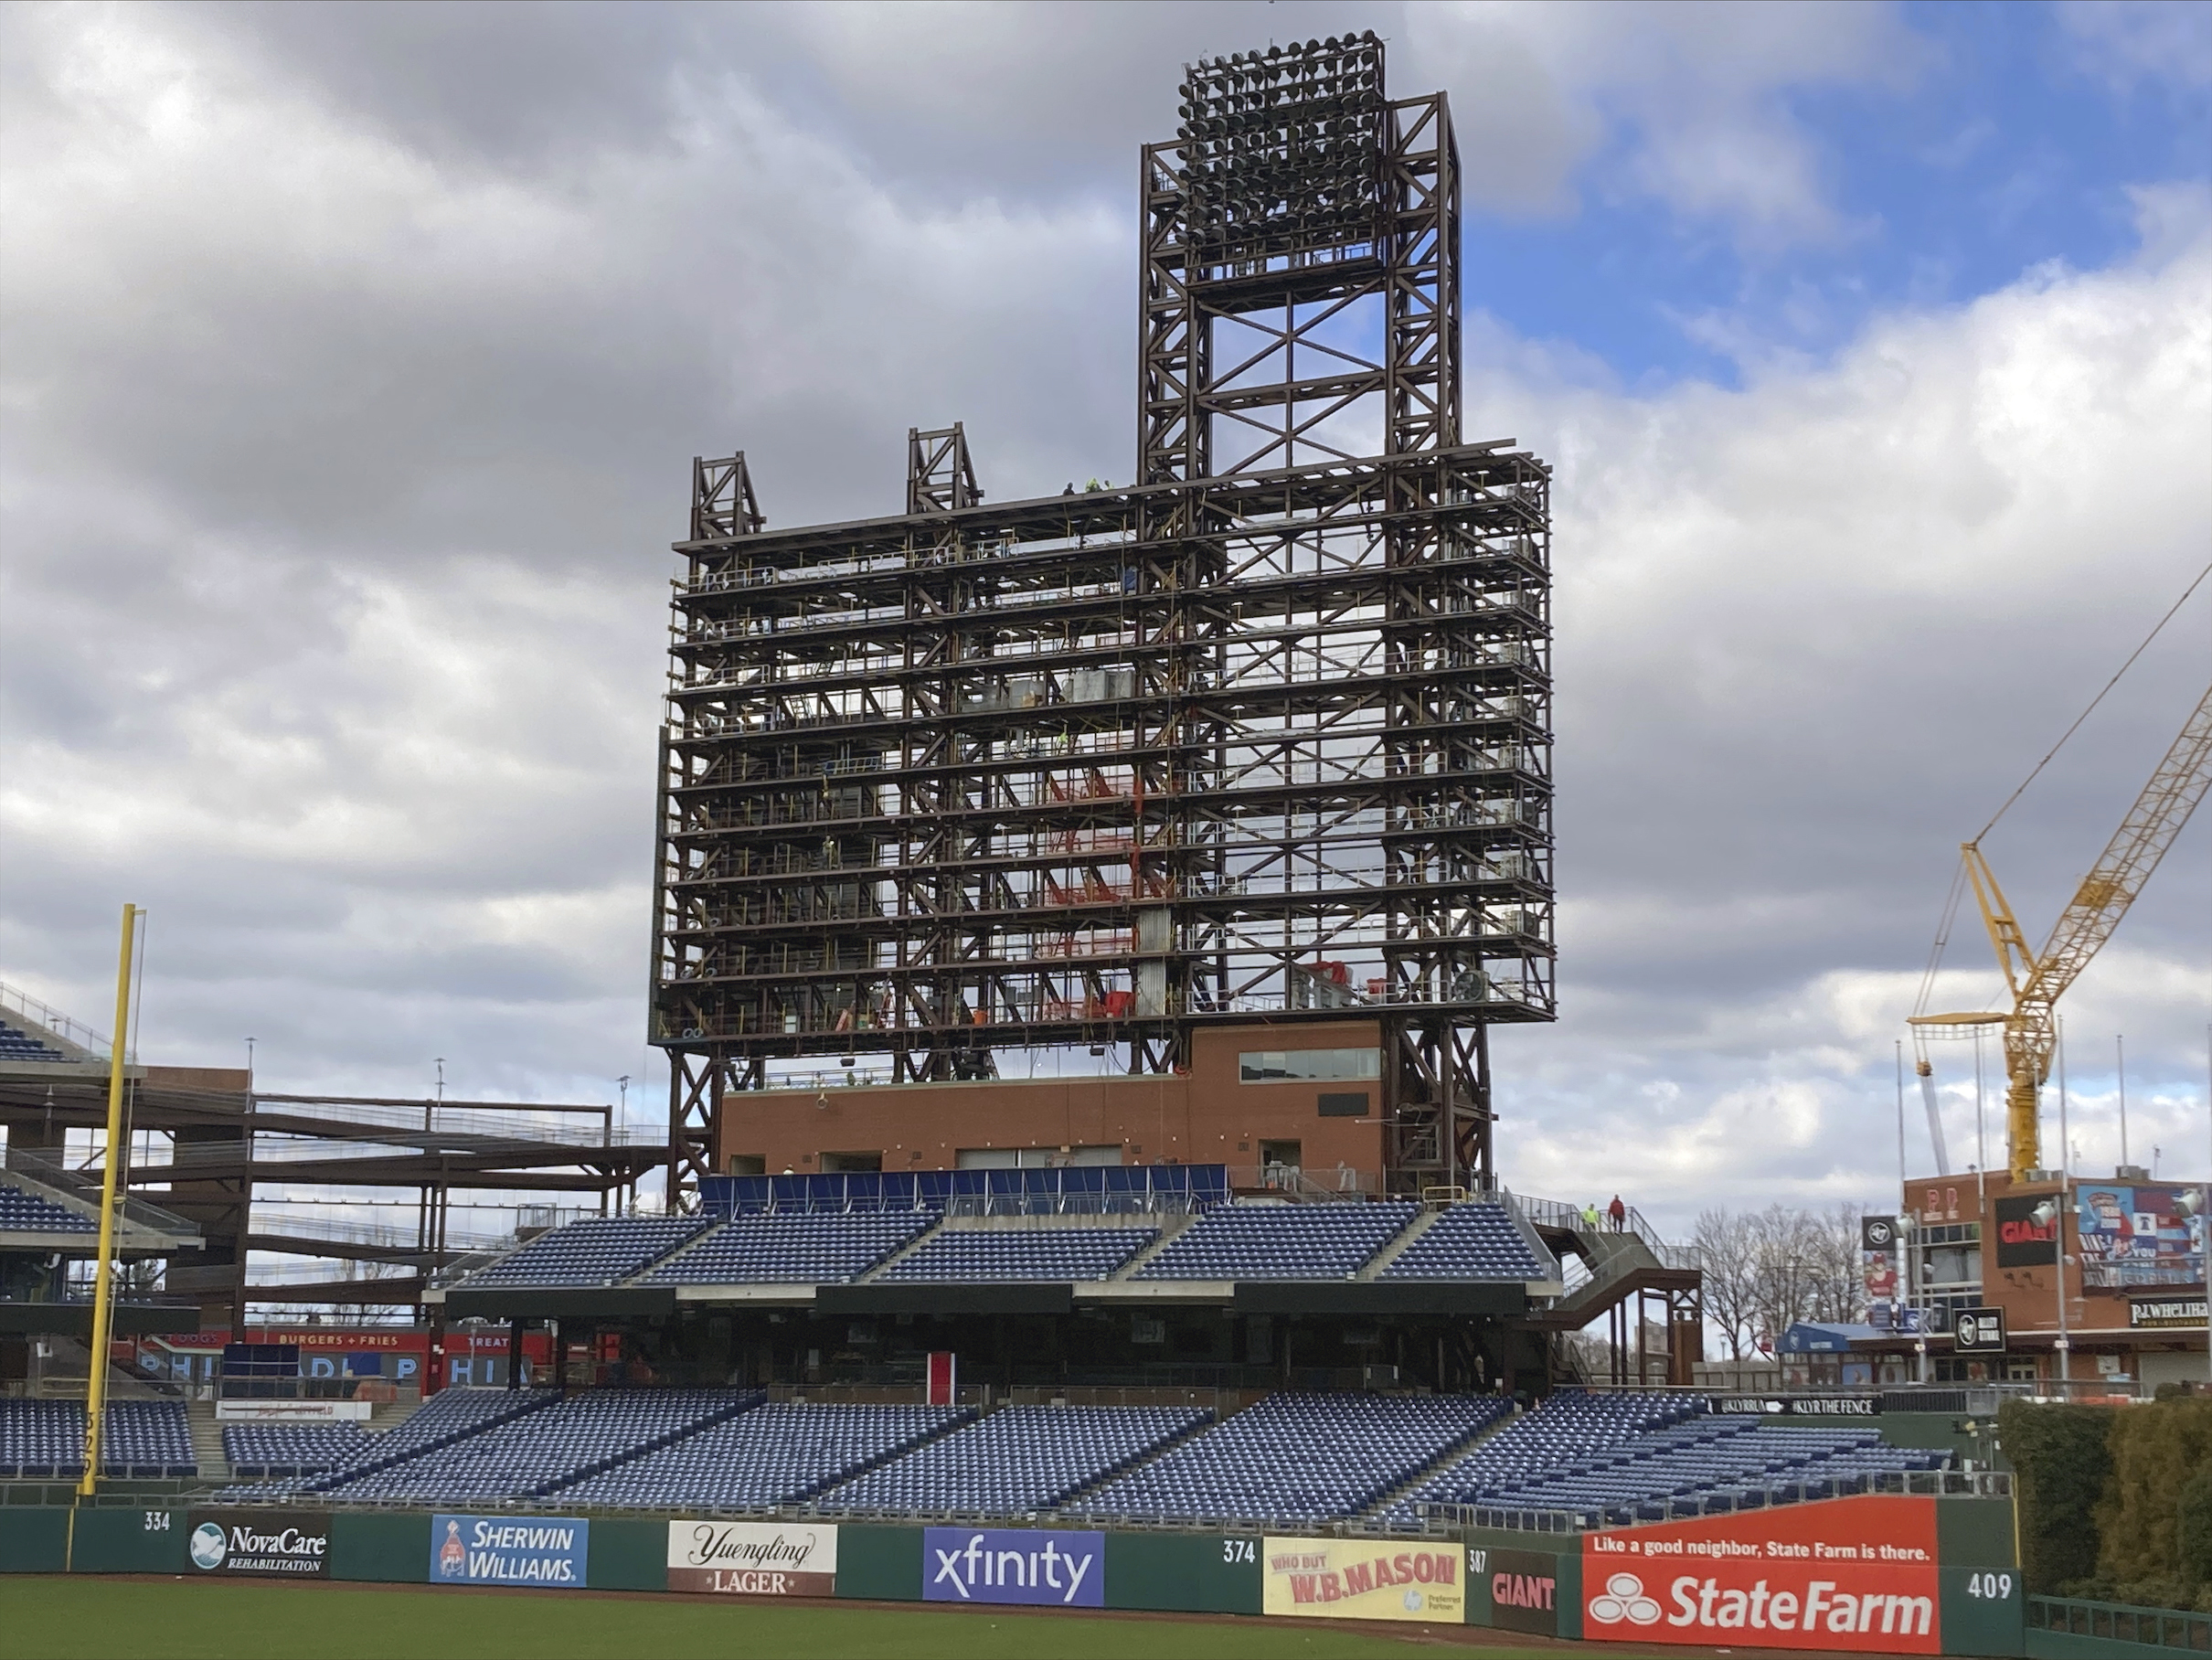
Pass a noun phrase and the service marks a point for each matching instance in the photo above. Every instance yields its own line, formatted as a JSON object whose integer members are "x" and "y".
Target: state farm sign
{"x": 1855, "y": 1574}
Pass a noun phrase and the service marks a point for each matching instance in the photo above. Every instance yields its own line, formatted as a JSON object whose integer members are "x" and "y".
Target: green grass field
{"x": 108, "y": 1619}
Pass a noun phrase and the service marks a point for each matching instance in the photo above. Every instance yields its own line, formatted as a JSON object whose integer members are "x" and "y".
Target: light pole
{"x": 2051, "y": 1213}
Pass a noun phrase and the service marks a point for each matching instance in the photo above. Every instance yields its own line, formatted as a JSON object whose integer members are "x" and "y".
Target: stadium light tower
{"x": 1261, "y": 742}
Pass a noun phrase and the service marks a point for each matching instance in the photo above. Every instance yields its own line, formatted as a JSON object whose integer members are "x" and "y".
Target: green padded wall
{"x": 1183, "y": 1572}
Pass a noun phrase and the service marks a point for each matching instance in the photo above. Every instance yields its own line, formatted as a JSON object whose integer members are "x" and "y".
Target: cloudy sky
{"x": 355, "y": 357}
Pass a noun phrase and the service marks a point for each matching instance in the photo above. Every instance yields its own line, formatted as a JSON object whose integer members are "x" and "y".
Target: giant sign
{"x": 509, "y": 1550}
{"x": 1354, "y": 1578}
{"x": 753, "y": 1558}
{"x": 1857, "y": 1574}
{"x": 1013, "y": 1565}
{"x": 1524, "y": 1588}
{"x": 288, "y": 1543}
{"x": 2022, "y": 1242}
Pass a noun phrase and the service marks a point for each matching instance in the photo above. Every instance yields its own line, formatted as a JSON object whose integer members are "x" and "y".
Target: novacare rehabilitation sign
{"x": 1857, "y": 1574}
{"x": 509, "y": 1550}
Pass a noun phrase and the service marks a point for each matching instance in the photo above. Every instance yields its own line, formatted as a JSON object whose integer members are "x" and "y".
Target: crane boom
{"x": 2037, "y": 981}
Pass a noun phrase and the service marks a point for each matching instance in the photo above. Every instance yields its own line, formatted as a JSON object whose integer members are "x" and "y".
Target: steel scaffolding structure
{"x": 1267, "y": 744}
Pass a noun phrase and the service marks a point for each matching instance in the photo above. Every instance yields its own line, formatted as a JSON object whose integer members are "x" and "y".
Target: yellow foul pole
{"x": 103, "y": 1296}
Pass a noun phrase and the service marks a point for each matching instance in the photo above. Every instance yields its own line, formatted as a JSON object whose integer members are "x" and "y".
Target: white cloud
{"x": 2126, "y": 43}
{"x": 346, "y": 420}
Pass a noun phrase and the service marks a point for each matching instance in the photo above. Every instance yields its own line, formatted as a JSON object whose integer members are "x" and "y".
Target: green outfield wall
{"x": 1956, "y": 1555}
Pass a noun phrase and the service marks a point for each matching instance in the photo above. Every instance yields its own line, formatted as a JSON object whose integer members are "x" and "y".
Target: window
{"x": 851, "y": 1163}
{"x": 1301, "y": 1066}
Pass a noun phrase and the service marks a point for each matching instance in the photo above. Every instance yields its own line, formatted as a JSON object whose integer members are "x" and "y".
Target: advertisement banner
{"x": 1013, "y": 1565}
{"x": 1855, "y": 1574}
{"x": 294, "y": 1411}
{"x": 2154, "y": 1313}
{"x": 2022, "y": 1242}
{"x": 753, "y": 1558}
{"x": 1362, "y": 1579}
{"x": 1796, "y": 1405}
{"x": 288, "y": 1543}
{"x": 508, "y": 1550}
{"x": 1524, "y": 1590}
{"x": 1978, "y": 1331}
{"x": 2137, "y": 1235}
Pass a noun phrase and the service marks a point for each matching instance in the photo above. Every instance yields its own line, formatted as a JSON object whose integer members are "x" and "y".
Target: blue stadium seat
{"x": 1020, "y": 1253}
{"x": 771, "y": 1456}
{"x": 1295, "y": 1460}
{"x": 1017, "y": 1462}
{"x": 23, "y": 1212}
{"x": 792, "y": 1247}
{"x": 1279, "y": 1243}
{"x": 1470, "y": 1241}
{"x": 598, "y": 1251}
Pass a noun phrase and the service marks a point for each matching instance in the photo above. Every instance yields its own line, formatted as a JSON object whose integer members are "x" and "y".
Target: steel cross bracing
{"x": 1107, "y": 768}
{"x": 1254, "y": 349}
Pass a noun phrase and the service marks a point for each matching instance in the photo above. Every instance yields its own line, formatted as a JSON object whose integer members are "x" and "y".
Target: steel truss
{"x": 1106, "y": 769}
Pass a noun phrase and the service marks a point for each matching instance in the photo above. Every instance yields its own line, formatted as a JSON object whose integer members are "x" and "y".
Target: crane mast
{"x": 2037, "y": 980}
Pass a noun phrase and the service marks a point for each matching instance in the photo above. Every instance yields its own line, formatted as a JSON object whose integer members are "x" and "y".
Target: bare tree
{"x": 1723, "y": 1242}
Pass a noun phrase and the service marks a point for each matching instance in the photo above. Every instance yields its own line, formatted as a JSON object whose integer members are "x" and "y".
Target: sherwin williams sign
{"x": 1013, "y": 1565}
{"x": 508, "y": 1550}
{"x": 752, "y": 1558}
{"x": 259, "y": 1542}
{"x": 1362, "y": 1579}
{"x": 1855, "y": 1574}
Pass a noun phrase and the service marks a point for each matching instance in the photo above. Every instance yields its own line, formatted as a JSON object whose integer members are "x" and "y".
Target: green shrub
{"x": 2061, "y": 1466}
{"x": 2193, "y": 1530}
{"x": 2159, "y": 1453}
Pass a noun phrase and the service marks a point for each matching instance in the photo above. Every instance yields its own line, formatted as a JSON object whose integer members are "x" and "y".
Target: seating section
{"x": 258, "y": 1451}
{"x": 1472, "y": 1241}
{"x": 784, "y": 1247}
{"x": 445, "y": 1418}
{"x": 773, "y": 1455}
{"x": 41, "y": 1438}
{"x": 17, "y": 1044}
{"x": 1279, "y": 1243}
{"x": 1626, "y": 1458}
{"x": 138, "y": 1437}
{"x": 1019, "y": 1461}
{"x": 25, "y": 1212}
{"x": 1722, "y": 1464}
{"x": 553, "y": 1447}
{"x": 1021, "y": 1253}
{"x": 1296, "y": 1459}
{"x": 1569, "y": 1426}
{"x": 598, "y": 1251}
{"x": 147, "y": 1438}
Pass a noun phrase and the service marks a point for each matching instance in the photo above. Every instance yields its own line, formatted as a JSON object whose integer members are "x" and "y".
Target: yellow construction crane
{"x": 2037, "y": 980}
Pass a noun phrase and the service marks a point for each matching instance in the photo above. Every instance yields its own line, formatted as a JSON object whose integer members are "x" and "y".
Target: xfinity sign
{"x": 1013, "y": 1565}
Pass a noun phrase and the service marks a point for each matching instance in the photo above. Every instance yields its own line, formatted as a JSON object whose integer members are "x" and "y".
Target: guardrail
{"x": 1926, "y": 1484}
{"x": 2122, "y": 1623}
{"x": 55, "y": 1021}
